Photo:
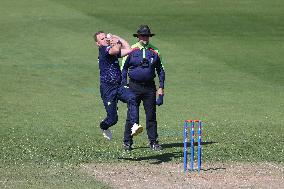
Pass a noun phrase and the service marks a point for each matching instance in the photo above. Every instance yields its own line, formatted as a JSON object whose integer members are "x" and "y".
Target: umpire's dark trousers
{"x": 145, "y": 92}
{"x": 110, "y": 94}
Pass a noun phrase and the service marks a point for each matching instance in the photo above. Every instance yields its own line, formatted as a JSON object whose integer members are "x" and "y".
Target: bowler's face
{"x": 102, "y": 40}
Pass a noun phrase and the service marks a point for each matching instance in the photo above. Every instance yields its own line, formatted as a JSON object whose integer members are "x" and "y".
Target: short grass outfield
{"x": 224, "y": 66}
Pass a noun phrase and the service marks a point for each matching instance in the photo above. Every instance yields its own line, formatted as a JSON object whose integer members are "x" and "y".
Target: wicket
{"x": 186, "y": 122}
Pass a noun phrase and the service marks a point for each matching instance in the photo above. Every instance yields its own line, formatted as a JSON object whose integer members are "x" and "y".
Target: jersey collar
{"x": 138, "y": 45}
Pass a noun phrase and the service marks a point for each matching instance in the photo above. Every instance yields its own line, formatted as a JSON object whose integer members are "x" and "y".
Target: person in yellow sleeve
{"x": 141, "y": 66}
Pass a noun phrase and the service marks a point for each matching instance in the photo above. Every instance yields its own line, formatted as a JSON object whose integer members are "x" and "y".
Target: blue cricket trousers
{"x": 110, "y": 94}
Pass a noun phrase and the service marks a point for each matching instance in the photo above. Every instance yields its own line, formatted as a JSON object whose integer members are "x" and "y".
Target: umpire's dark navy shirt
{"x": 132, "y": 65}
{"x": 109, "y": 66}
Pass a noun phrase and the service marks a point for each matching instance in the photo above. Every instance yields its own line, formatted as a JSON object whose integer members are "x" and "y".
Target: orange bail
{"x": 189, "y": 120}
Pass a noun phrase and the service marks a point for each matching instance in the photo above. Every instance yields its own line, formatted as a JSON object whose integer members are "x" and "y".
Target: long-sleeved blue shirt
{"x": 140, "y": 70}
{"x": 109, "y": 66}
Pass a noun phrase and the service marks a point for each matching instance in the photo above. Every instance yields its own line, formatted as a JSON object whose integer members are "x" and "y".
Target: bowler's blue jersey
{"x": 109, "y": 66}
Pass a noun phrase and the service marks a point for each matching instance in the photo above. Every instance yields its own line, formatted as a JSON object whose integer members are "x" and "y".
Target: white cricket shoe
{"x": 107, "y": 134}
{"x": 136, "y": 129}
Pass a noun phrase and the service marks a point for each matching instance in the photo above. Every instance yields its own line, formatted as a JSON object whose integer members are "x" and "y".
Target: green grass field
{"x": 224, "y": 65}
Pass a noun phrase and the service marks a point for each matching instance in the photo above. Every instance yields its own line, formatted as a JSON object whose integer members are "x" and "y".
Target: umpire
{"x": 141, "y": 66}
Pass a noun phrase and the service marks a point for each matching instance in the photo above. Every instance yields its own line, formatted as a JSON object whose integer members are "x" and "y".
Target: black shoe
{"x": 127, "y": 147}
{"x": 155, "y": 146}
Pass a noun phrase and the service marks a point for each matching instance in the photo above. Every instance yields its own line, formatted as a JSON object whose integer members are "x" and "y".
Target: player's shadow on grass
{"x": 176, "y": 145}
{"x": 181, "y": 145}
{"x": 163, "y": 157}
{"x": 157, "y": 159}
